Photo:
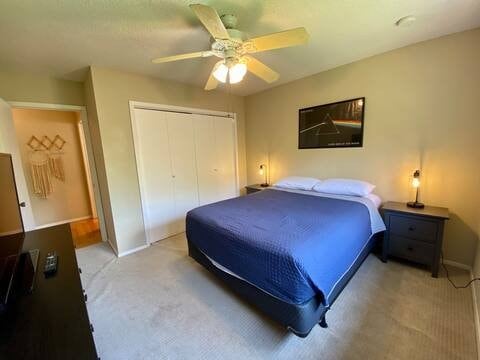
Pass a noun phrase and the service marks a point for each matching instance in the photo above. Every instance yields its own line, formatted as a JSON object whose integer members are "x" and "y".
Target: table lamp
{"x": 416, "y": 184}
{"x": 263, "y": 171}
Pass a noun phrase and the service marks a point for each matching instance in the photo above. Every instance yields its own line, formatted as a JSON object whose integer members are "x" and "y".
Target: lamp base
{"x": 264, "y": 185}
{"x": 415, "y": 204}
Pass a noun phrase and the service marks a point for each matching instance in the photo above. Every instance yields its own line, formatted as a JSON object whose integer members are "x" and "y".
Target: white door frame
{"x": 179, "y": 109}
{"x": 82, "y": 111}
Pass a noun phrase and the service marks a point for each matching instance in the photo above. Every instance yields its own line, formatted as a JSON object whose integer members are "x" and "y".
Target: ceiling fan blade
{"x": 182, "y": 57}
{"x": 279, "y": 40}
{"x": 261, "y": 70}
{"x": 210, "y": 19}
{"x": 212, "y": 83}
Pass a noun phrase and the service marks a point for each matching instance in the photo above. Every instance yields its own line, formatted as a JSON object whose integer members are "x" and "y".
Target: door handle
{"x": 22, "y": 204}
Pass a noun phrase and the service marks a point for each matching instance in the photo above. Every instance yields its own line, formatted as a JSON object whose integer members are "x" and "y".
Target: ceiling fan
{"x": 233, "y": 47}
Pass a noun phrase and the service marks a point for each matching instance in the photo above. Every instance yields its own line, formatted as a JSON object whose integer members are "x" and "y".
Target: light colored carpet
{"x": 160, "y": 304}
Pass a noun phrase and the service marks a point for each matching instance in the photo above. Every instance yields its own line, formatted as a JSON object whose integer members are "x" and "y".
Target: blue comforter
{"x": 293, "y": 246}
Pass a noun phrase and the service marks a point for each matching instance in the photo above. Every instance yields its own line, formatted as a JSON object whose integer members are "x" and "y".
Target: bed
{"x": 289, "y": 252}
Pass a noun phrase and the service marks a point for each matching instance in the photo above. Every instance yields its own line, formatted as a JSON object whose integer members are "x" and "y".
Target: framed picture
{"x": 332, "y": 125}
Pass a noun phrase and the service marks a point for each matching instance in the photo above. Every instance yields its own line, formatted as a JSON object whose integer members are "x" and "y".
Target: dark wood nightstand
{"x": 254, "y": 188}
{"x": 414, "y": 234}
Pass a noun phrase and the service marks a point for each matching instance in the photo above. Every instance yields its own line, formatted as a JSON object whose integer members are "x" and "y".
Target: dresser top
{"x": 431, "y": 211}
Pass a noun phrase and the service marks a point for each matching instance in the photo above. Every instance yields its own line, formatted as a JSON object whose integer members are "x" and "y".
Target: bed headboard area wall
{"x": 421, "y": 112}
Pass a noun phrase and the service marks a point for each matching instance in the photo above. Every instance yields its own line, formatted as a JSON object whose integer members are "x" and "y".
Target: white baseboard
{"x": 131, "y": 251}
{"x": 457, "y": 265}
{"x": 475, "y": 296}
{"x": 62, "y": 222}
{"x": 476, "y": 315}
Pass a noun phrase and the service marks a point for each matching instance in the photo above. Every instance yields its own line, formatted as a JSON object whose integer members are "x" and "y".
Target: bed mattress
{"x": 292, "y": 245}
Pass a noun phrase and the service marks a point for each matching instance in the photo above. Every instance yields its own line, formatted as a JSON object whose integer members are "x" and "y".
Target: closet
{"x": 184, "y": 160}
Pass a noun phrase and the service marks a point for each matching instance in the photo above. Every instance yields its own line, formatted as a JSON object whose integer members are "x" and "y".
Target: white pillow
{"x": 297, "y": 182}
{"x": 344, "y": 187}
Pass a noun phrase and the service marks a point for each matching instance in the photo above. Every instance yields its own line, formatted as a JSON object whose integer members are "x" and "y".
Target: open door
{"x": 8, "y": 144}
{"x": 92, "y": 176}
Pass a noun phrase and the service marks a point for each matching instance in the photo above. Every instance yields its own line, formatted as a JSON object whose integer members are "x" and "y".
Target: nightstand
{"x": 414, "y": 234}
{"x": 254, "y": 188}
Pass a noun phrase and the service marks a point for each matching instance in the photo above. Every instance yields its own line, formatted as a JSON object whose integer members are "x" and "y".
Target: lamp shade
{"x": 263, "y": 172}
{"x": 416, "y": 184}
{"x": 220, "y": 72}
{"x": 237, "y": 72}
{"x": 416, "y": 179}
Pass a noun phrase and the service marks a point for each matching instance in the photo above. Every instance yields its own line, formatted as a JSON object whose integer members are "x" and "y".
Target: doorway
{"x": 59, "y": 170}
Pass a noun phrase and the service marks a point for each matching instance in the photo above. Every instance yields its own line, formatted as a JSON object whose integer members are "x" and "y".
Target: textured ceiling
{"x": 61, "y": 38}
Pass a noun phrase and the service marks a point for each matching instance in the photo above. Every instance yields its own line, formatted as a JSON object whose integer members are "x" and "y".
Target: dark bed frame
{"x": 298, "y": 318}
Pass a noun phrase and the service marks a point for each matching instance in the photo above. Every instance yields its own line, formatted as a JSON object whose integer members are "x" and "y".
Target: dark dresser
{"x": 52, "y": 321}
{"x": 414, "y": 234}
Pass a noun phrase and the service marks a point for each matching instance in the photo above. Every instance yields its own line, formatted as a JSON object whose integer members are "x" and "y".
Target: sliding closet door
{"x": 183, "y": 161}
{"x": 226, "y": 157}
{"x": 152, "y": 152}
{"x": 184, "y": 168}
{"x": 206, "y": 154}
{"x": 216, "y": 158}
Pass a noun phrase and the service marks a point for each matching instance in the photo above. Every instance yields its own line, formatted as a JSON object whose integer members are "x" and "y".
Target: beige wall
{"x": 421, "y": 112}
{"x": 26, "y": 87}
{"x": 112, "y": 91}
{"x": 476, "y": 284}
{"x": 69, "y": 199}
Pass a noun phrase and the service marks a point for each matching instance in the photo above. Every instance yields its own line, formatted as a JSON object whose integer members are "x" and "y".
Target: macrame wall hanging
{"x": 46, "y": 162}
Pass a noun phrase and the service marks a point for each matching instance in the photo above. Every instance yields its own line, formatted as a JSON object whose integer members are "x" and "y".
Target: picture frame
{"x": 334, "y": 125}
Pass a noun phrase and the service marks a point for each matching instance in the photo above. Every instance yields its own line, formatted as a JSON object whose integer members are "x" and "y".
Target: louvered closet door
{"x": 152, "y": 153}
{"x": 226, "y": 158}
{"x": 184, "y": 169}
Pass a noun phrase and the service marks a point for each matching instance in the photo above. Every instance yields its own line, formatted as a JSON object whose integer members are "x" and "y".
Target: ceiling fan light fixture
{"x": 237, "y": 72}
{"x": 220, "y": 72}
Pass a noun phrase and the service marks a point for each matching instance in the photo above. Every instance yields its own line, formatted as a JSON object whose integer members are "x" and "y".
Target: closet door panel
{"x": 184, "y": 167}
{"x": 155, "y": 175}
{"x": 225, "y": 149}
{"x": 205, "y": 149}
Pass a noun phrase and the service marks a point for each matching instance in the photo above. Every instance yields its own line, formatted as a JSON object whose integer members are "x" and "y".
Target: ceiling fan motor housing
{"x": 229, "y": 48}
{"x": 229, "y": 20}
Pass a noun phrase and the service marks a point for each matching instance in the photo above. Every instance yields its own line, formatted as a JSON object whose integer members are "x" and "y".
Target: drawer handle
{"x": 410, "y": 248}
{"x": 411, "y": 228}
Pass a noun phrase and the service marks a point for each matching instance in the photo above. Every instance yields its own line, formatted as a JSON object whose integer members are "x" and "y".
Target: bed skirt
{"x": 298, "y": 318}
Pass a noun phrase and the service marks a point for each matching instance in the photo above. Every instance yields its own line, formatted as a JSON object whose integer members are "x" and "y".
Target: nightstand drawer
{"x": 418, "y": 229}
{"x": 417, "y": 251}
